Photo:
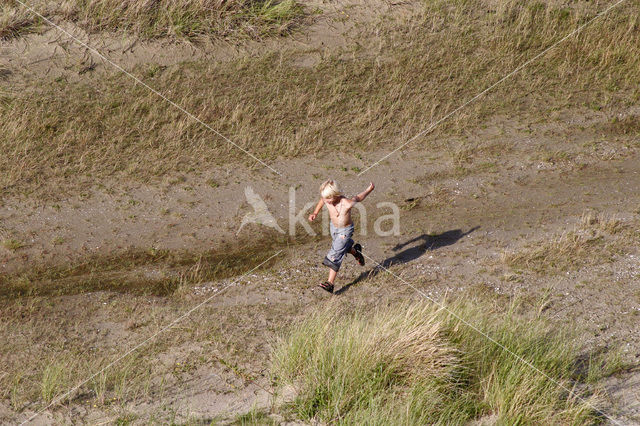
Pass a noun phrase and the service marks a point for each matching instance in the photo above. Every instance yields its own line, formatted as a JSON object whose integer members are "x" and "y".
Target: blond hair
{"x": 329, "y": 189}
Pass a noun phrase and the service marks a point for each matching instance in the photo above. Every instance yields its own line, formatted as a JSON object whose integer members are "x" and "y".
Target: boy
{"x": 341, "y": 227}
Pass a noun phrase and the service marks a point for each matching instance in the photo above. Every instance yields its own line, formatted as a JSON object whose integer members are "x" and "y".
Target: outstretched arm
{"x": 313, "y": 215}
{"x": 361, "y": 196}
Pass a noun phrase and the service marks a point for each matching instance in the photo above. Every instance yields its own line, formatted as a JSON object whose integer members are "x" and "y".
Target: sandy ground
{"x": 53, "y": 54}
{"x": 456, "y": 221}
{"x": 457, "y": 232}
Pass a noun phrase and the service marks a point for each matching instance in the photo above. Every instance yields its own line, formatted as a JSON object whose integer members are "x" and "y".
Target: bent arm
{"x": 361, "y": 196}
{"x": 313, "y": 215}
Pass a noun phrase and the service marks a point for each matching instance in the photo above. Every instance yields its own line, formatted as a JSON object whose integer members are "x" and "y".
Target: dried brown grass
{"x": 591, "y": 242}
{"x": 65, "y": 136}
{"x": 176, "y": 19}
{"x": 16, "y": 20}
{"x": 140, "y": 271}
{"x": 601, "y": 222}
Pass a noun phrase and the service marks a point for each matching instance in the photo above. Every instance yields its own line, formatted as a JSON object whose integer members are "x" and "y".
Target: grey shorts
{"x": 340, "y": 246}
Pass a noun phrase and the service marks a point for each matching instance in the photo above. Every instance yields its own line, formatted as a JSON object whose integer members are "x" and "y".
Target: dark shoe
{"x": 359, "y": 257}
{"x": 327, "y": 286}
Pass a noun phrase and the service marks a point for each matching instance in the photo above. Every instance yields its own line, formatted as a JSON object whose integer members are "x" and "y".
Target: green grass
{"x": 417, "y": 364}
{"x": 270, "y": 106}
{"x": 254, "y": 416}
{"x": 44, "y": 381}
{"x": 53, "y": 381}
{"x": 182, "y": 19}
{"x": 11, "y": 244}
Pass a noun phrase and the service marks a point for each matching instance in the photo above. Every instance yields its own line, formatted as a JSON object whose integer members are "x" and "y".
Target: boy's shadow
{"x": 426, "y": 243}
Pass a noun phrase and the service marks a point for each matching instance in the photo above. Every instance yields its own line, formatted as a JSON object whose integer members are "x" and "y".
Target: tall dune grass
{"x": 418, "y": 364}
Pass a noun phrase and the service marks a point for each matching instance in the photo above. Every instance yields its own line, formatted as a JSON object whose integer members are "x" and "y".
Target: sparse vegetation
{"x": 570, "y": 250}
{"x": 127, "y": 271}
{"x": 589, "y": 243}
{"x": 606, "y": 364}
{"x": 272, "y": 107}
{"x": 254, "y": 417}
{"x": 12, "y": 244}
{"x": 96, "y": 142}
{"x": 419, "y": 364}
{"x": 601, "y": 222}
{"x": 52, "y": 351}
{"x": 625, "y": 125}
{"x": 183, "y": 19}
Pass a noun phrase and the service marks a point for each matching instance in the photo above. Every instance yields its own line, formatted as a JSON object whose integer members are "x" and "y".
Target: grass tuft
{"x": 15, "y": 20}
{"x": 601, "y": 222}
{"x": 53, "y": 381}
{"x": 254, "y": 416}
{"x": 12, "y": 244}
{"x": 570, "y": 250}
{"x": 590, "y": 242}
{"x": 418, "y": 364}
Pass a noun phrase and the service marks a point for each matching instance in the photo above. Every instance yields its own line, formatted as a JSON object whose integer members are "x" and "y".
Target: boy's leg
{"x": 356, "y": 251}
{"x": 328, "y": 285}
{"x": 341, "y": 245}
{"x": 332, "y": 275}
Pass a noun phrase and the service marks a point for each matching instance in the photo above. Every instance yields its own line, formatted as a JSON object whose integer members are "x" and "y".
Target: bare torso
{"x": 340, "y": 212}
